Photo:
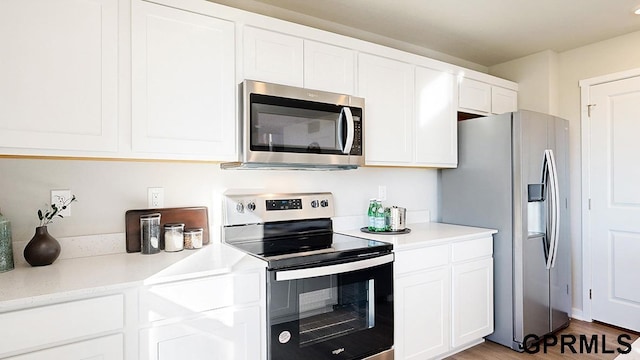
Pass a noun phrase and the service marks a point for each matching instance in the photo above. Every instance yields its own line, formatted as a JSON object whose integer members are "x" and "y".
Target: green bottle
{"x": 379, "y": 220}
{"x": 371, "y": 214}
{"x": 6, "y": 247}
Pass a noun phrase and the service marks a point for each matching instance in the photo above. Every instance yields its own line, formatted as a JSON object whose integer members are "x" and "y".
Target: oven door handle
{"x": 332, "y": 269}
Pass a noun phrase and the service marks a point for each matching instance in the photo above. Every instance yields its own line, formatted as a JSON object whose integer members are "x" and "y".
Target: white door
{"x": 614, "y": 175}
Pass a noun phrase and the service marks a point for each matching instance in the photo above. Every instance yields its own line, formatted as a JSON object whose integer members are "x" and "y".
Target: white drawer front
{"x": 471, "y": 249}
{"x": 163, "y": 301}
{"x": 27, "y": 328}
{"x": 423, "y": 258}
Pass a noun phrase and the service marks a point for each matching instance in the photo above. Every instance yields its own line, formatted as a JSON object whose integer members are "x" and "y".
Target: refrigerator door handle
{"x": 556, "y": 206}
{"x": 549, "y": 174}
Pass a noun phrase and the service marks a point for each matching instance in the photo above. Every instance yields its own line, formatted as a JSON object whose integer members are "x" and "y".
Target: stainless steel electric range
{"x": 329, "y": 296}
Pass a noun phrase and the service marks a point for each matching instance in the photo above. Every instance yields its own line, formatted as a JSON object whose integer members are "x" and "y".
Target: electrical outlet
{"x": 156, "y": 197}
{"x": 60, "y": 198}
{"x": 382, "y": 192}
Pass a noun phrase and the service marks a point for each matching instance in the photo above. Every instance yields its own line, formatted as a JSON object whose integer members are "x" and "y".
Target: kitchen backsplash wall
{"x": 106, "y": 189}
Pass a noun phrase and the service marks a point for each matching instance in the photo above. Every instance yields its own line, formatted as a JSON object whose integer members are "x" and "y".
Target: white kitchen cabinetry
{"x": 216, "y": 317}
{"x": 104, "y": 348}
{"x": 483, "y": 98}
{"x": 284, "y": 59}
{"x": 409, "y": 113}
{"x": 503, "y": 100}
{"x": 443, "y": 298}
{"x": 183, "y": 90}
{"x": 54, "y": 330}
{"x": 436, "y": 133}
{"x": 59, "y": 76}
{"x": 329, "y": 68}
{"x": 272, "y": 57}
{"x": 387, "y": 86}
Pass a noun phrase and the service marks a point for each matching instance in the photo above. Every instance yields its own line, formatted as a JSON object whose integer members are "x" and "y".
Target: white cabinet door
{"x": 183, "y": 92}
{"x": 58, "y": 76}
{"x": 474, "y": 95}
{"x": 329, "y": 68}
{"x": 503, "y": 100}
{"x": 472, "y": 301}
{"x": 104, "y": 348}
{"x": 436, "y": 128}
{"x": 228, "y": 333}
{"x": 272, "y": 57}
{"x": 422, "y": 308}
{"x": 387, "y": 86}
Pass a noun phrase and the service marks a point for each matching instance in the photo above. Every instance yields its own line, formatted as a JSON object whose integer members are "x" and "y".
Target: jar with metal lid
{"x": 173, "y": 237}
{"x": 193, "y": 238}
{"x": 150, "y": 233}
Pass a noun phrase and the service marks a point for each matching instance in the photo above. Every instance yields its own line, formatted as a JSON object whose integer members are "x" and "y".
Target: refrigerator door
{"x": 531, "y": 223}
{"x": 560, "y": 272}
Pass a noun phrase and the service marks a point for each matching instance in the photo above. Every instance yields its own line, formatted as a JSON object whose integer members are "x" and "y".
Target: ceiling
{"x": 485, "y": 32}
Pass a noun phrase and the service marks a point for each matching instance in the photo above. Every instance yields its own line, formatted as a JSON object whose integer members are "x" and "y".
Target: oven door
{"x": 342, "y": 311}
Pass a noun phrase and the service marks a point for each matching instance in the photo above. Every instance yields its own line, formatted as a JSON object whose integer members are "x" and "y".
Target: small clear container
{"x": 150, "y": 233}
{"x": 173, "y": 237}
{"x": 193, "y": 238}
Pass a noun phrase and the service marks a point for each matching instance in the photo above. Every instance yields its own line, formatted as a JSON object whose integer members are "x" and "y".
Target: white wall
{"x": 566, "y": 69}
{"x": 107, "y": 189}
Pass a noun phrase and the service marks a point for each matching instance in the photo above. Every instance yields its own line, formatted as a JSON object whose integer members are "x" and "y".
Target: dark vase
{"x": 43, "y": 249}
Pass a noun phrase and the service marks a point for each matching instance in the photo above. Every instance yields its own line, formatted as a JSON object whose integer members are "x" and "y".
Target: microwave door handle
{"x": 320, "y": 270}
{"x": 348, "y": 144}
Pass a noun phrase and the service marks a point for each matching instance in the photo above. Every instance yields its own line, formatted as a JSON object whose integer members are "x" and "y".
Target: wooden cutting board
{"x": 191, "y": 217}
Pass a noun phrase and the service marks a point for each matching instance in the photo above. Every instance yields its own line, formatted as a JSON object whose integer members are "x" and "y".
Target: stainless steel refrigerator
{"x": 512, "y": 176}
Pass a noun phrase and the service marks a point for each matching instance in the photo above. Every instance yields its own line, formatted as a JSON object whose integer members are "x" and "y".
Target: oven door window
{"x": 340, "y": 316}
{"x": 297, "y": 126}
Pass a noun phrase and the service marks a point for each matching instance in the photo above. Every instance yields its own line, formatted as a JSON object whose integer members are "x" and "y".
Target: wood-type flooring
{"x": 492, "y": 351}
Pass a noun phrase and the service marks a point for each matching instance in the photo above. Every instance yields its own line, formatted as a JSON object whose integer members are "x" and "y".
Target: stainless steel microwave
{"x": 290, "y": 127}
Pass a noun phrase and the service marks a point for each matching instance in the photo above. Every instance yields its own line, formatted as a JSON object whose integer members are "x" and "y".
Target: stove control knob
{"x": 240, "y": 207}
{"x": 315, "y": 203}
{"x": 251, "y": 206}
{"x": 324, "y": 203}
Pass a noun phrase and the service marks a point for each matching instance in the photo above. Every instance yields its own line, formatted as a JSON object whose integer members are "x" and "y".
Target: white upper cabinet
{"x": 410, "y": 117}
{"x": 329, "y": 68}
{"x": 475, "y": 95}
{"x": 387, "y": 87}
{"x": 503, "y": 100}
{"x": 436, "y": 133}
{"x": 183, "y": 88}
{"x": 59, "y": 76}
{"x": 483, "y": 98}
{"x": 272, "y": 57}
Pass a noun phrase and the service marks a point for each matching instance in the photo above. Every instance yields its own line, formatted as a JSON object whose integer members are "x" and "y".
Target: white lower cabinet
{"x": 443, "y": 298}
{"x": 227, "y": 333}
{"x": 104, "y": 348}
{"x": 423, "y": 312}
{"x": 212, "y": 317}
{"x": 44, "y": 331}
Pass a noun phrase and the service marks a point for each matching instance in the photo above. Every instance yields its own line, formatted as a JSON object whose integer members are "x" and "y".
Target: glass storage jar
{"x": 150, "y": 233}
{"x": 193, "y": 238}
{"x": 173, "y": 238}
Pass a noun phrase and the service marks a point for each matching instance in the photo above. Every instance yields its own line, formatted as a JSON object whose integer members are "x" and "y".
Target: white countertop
{"x": 26, "y": 285}
{"x": 425, "y": 234}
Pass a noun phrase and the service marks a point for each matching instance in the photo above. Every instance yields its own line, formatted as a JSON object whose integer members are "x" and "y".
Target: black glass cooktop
{"x": 306, "y": 250}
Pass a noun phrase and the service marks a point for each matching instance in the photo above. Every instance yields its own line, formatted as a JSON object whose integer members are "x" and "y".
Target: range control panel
{"x": 240, "y": 209}
{"x": 295, "y": 204}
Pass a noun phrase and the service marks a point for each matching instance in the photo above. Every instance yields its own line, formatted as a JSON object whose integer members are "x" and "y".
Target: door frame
{"x": 585, "y": 86}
